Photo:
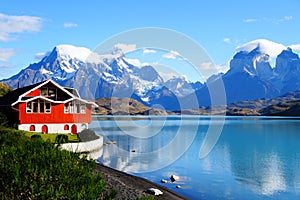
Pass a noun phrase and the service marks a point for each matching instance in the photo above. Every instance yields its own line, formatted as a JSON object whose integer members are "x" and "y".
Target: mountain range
{"x": 253, "y": 74}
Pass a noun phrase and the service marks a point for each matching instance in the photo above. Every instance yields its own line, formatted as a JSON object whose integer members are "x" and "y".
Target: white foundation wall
{"x": 54, "y": 128}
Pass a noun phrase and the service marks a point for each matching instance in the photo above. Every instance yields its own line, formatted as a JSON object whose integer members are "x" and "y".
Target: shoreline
{"x": 132, "y": 187}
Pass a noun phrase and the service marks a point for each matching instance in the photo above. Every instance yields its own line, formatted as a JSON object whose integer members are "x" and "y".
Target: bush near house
{"x": 87, "y": 135}
{"x": 60, "y": 139}
{"x": 35, "y": 169}
{"x": 52, "y": 137}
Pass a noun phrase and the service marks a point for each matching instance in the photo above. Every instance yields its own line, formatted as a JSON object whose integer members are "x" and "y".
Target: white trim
{"x": 39, "y": 86}
{"x": 75, "y": 90}
{"x": 39, "y": 100}
{"x": 73, "y": 97}
{"x": 54, "y": 128}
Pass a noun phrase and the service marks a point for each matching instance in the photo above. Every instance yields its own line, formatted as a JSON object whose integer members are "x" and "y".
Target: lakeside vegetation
{"x": 31, "y": 168}
{"x": 53, "y": 137}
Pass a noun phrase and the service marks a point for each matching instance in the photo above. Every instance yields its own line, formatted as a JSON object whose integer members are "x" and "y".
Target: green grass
{"x": 35, "y": 169}
{"x": 52, "y": 137}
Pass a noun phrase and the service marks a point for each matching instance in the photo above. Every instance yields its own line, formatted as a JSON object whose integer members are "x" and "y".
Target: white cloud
{"x": 148, "y": 51}
{"x": 41, "y": 55}
{"x": 6, "y": 54}
{"x": 250, "y": 20}
{"x": 171, "y": 55}
{"x": 295, "y": 47}
{"x": 271, "y": 20}
{"x": 125, "y": 48}
{"x": 206, "y": 66}
{"x": 223, "y": 68}
{"x": 70, "y": 25}
{"x": 227, "y": 40}
{"x": 287, "y": 18}
{"x": 11, "y": 25}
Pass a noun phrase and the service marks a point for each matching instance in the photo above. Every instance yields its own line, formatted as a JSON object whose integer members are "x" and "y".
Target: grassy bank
{"x": 36, "y": 169}
{"x": 52, "y": 137}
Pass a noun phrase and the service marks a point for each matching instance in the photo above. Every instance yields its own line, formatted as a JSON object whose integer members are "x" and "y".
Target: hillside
{"x": 4, "y": 89}
{"x": 286, "y": 105}
{"x": 125, "y": 106}
{"x": 289, "y": 108}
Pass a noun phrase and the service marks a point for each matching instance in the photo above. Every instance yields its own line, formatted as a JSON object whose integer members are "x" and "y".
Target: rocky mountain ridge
{"x": 252, "y": 75}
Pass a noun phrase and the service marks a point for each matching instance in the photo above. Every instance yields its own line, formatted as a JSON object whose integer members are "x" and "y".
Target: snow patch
{"x": 134, "y": 62}
{"x": 44, "y": 71}
{"x": 79, "y": 53}
{"x": 273, "y": 49}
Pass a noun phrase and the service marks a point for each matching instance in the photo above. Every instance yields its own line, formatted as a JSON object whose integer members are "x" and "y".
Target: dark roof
{"x": 13, "y": 96}
{"x": 72, "y": 91}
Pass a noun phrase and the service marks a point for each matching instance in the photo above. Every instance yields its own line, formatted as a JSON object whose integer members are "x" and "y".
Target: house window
{"x": 32, "y": 128}
{"x": 67, "y": 107}
{"x": 71, "y": 107}
{"x": 48, "y": 92}
{"x": 82, "y": 108}
{"x": 74, "y": 107}
{"x": 66, "y": 127}
{"x": 38, "y": 106}
{"x": 48, "y": 107}
{"x": 52, "y": 92}
{"x": 42, "y": 106}
{"x": 77, "y": 107}
{"x": 29, "y": 107}
{"x": 44, "y": 91}
{"x": 44, "y": 129}
{"x": 35, "y": 106}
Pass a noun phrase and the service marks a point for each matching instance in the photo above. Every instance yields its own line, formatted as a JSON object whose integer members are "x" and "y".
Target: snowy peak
{"x": 263, "y": 46}
{"x": 288, "y": 54}
{"x": 71, "y": 52}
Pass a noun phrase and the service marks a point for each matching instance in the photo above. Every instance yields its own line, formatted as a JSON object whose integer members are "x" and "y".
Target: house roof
{"x": 73, "y": 91}
{"x": 19, "y": 95}
{"x": 14, "y": 95}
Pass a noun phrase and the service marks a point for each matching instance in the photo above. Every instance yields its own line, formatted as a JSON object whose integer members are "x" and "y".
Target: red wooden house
{"x": 47, "y": 107}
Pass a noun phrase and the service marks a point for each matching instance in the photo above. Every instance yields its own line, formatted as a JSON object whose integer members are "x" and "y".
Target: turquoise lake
{"x": 253, "y": 158}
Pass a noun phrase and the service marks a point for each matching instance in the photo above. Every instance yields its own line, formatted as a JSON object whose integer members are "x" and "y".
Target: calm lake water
{"x": 254, "y": 157}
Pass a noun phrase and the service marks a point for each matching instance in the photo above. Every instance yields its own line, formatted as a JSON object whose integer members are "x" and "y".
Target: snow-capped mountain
{"x": 273, "y": 49}
{"x": 287, "y": 71}
{"x": 106, "y": 75}
{"x": 252, "y": 75}
{"x": 259, "y": 69}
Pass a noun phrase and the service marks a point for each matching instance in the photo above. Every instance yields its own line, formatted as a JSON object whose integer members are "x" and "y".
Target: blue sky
{"x": 31, "y": 27}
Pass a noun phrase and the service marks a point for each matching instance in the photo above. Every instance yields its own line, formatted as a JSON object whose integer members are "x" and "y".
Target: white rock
{"x": 154, "y": 191}
{"x": 163, "y": 181}
{"x": 174, "y": 178}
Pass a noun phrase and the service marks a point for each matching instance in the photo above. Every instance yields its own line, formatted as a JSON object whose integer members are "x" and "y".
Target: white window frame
{"x": 83, "y": 108}
{"x": 38, "y": 102}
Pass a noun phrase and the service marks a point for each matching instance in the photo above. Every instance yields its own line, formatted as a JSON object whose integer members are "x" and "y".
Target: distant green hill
{"x": 4, "y": 89}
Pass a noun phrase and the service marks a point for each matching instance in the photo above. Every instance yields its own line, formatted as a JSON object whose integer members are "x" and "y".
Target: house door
{"x": 44, "y": 129}
{"x": 74, "y": 129}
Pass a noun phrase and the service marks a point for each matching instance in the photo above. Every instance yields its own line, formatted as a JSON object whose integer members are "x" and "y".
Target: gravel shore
{"x": 132, "y": 187}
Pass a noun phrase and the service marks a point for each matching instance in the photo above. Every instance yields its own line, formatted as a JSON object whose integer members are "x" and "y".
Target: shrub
{"x": 34, "y": 169}
{"x": 35, "y": 137}
{"x": 87, "y": 135}
{"x": 60, "y": 139}
{"x": 3, "y": 120}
